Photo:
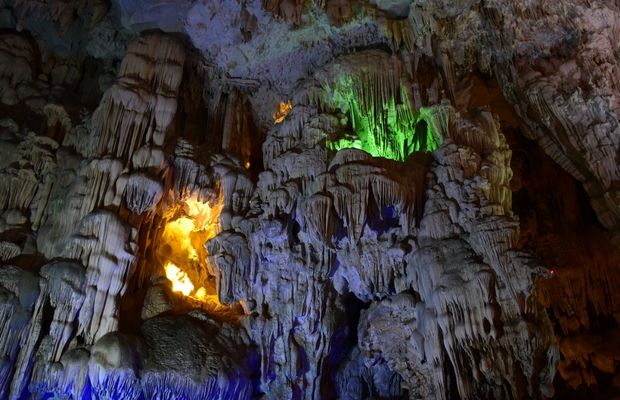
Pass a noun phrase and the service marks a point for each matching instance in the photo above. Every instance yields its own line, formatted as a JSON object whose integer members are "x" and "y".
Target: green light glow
{"x": 381, "y": 128}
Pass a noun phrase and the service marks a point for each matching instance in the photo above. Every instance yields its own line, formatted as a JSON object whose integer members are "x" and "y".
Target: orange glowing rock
{"x": 201, "y": 294}
{"x": 182, "y": 284}
{"x": 205, "y": 217}
{"x": 180, "y": 280}
{"x": 177, "y": 233}
{"x": 183, "y": 239}
{"x": 282, "y": 111}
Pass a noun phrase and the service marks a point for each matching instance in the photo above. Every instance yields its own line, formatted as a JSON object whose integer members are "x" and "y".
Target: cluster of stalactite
{"x": 106, "y": 208}
{"x": 326, "y": 199}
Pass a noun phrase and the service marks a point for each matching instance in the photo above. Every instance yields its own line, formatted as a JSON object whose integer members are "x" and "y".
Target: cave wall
{"x": 415, "y": 199}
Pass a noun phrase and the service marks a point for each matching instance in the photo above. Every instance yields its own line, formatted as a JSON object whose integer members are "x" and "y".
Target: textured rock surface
{"x": 301, "y": 200}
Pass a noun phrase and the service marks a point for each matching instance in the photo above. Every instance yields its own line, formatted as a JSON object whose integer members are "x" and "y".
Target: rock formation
{"x": 309, "y": 199}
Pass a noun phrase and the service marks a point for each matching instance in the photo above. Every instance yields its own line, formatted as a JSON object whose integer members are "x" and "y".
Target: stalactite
{"x": 142, "y": 193}
{"x": 382, "y": 243}
{"x": 378, "y": 104}
{"x": 19, "y": 291}
{"x": 139, "y": 108}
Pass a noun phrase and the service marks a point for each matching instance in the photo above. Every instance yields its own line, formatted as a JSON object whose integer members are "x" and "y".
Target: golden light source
{"x": 282, "y": 111}
{"x": 178, "y": 232}
{"x": 180, "y": 280}
{"x": 182, "y": 246}
{"x": 182, "y": 284}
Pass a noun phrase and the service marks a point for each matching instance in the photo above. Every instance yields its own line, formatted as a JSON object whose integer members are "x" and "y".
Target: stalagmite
{"x": 112, "y": 367}
{"x": 18, "y": 290}
{"x": 104, "y": 245}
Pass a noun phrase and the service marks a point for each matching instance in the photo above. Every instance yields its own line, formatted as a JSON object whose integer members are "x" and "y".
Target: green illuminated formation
{"x": 381, "y": 128}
